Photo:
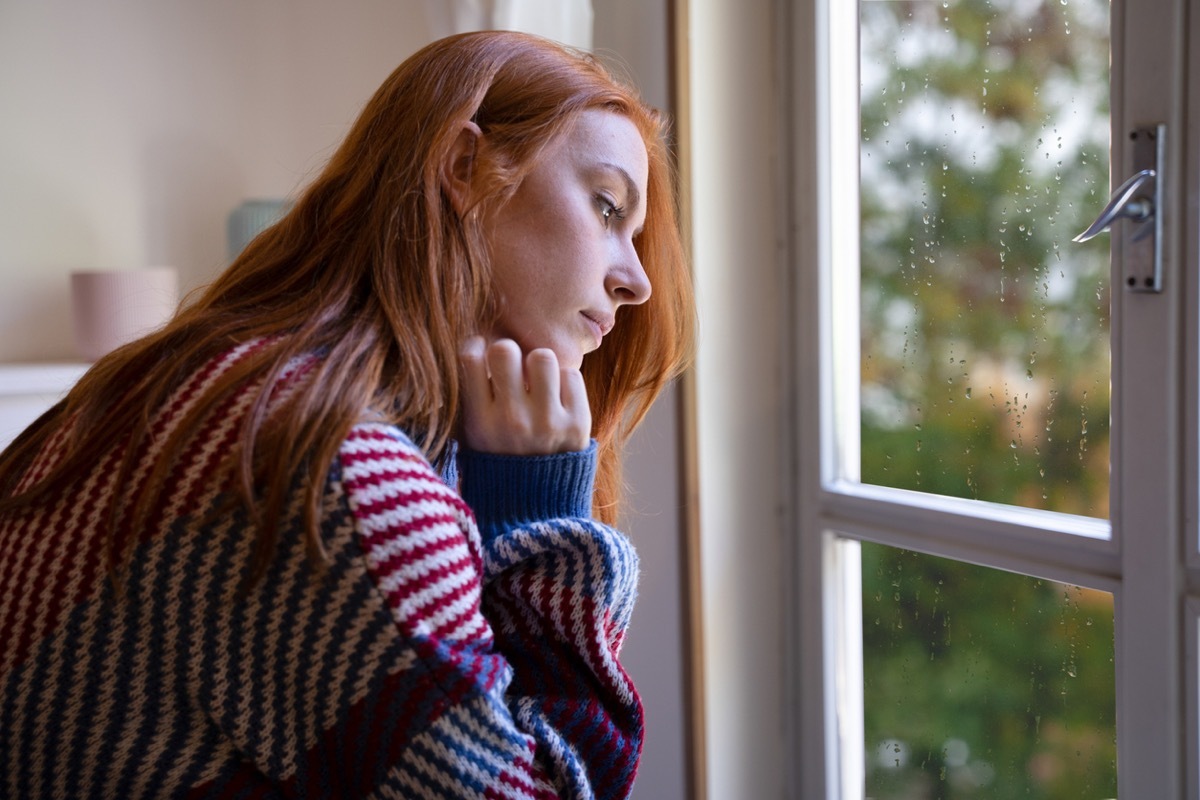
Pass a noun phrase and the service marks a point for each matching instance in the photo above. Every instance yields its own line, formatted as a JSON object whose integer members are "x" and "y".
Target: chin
{"x": 569, "y": 354}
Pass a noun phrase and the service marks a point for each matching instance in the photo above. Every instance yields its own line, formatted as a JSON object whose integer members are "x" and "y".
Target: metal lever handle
{"x": 1137, "y": 246}
{"x": 1125, "y": 203}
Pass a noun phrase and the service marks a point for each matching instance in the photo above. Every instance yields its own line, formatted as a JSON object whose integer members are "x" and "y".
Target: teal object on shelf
{"x": 250, "y": 219}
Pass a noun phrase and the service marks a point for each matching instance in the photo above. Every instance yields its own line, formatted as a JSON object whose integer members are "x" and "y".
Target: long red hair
{"x": 373, "y": 268}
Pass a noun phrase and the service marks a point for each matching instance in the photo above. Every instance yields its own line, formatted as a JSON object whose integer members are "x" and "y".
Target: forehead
{"x": 605, "y": 137}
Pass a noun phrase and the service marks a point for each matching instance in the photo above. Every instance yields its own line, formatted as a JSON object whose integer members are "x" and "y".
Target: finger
{"x": 542, "y": 374}
{"x": 472, "y": 355}
{"x": 506, "y": 369}
{"x": 575, "y": 403}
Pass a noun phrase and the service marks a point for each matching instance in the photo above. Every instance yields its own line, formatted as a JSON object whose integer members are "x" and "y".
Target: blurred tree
{"x": 984, "y": 684}
{"x": 984, "y": 328}
{"x": 985, "y": 373}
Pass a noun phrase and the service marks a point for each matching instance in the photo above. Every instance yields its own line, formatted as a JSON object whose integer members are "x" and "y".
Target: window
{"x": 996, "y": 516}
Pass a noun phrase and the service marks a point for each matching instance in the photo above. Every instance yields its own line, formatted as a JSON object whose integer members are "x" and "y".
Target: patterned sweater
{"x": 456, "y": 646}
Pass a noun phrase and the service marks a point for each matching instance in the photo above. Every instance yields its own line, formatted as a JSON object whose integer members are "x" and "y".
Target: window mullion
{"x": 1147, "y": 393}
{"x": 1072, "y": 550}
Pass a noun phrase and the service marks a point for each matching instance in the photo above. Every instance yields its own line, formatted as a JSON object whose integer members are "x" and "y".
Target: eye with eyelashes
{"x": 610, "y": 212}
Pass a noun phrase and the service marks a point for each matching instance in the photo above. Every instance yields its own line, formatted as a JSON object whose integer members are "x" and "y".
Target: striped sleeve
{"x": 559, "y": 592}
{"x": 499, "y": 725}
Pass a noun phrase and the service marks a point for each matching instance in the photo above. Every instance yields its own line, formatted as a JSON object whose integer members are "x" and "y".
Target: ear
{"x": 458, "y": 166}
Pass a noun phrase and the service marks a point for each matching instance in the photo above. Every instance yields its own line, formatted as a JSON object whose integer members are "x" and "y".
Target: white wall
{"x": 738, "y": 226}
{"x": 130, "y": 130}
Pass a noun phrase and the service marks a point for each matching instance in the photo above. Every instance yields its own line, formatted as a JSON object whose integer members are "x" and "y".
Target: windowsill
{"x": 42, "y": 378}
{"x": 27, "y": 390}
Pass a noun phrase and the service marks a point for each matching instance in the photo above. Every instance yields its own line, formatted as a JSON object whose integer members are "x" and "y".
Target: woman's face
{"x": 562, "y": 251}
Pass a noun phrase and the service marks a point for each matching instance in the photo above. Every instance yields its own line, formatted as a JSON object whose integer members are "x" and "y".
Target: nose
{"x": 627, "y": 282}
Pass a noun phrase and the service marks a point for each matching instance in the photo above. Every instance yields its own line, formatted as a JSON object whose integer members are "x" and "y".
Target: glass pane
{"x": 985, "y": 349}
{"x": 979, "y": 683}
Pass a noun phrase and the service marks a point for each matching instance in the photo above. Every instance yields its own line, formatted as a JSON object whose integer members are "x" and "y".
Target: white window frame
{"x": 1155, "y": 503}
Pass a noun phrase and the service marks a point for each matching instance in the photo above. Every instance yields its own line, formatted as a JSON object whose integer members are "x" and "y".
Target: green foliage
{"x": 984, "y": 684}
{"x": 985, "y": 329}
{"x": 985, "y": 372}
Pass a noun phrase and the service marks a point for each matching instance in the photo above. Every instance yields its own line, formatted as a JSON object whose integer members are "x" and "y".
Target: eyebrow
{"x": 633, "y": 197}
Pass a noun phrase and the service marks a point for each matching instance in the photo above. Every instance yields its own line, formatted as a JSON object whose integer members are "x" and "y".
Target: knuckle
{"x": 503, "y": 348}
{"x": 543, "y": 355}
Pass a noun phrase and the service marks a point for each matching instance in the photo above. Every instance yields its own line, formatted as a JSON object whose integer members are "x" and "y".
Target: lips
{"x": 603, "y": 322}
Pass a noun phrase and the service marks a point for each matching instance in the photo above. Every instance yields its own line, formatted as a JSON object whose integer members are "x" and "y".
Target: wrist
{"x": 507, "y": 491}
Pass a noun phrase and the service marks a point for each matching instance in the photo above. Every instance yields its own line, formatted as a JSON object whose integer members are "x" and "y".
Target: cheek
{"x": 509, "y": 253}
{"x": 541, "y": 255}
{"x": 552, "y": 262}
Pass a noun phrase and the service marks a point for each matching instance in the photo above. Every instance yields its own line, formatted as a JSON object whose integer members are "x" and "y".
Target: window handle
{"x": 1127, "y": 201}
{"x": 1139, "y": 200}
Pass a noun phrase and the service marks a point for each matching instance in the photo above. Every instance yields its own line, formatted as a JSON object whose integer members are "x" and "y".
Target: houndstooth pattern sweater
{"x": 456, "y": 645}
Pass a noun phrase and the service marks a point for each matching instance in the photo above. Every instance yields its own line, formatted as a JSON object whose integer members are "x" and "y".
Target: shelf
{"x": 27, "y": 390}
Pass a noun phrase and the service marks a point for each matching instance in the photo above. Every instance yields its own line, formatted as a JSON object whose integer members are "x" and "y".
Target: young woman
{"x": 342, "y": 527}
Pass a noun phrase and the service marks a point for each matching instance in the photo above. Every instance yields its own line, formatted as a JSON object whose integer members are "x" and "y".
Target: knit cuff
{"x": 508, "y": 491}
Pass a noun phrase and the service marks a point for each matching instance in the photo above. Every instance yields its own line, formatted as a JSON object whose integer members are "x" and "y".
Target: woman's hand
{"x": 521, "y": 404}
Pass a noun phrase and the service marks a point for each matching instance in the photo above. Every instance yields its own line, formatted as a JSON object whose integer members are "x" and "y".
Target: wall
{"x": 132, "y": 128}
{"x": 738, "y": 227}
